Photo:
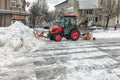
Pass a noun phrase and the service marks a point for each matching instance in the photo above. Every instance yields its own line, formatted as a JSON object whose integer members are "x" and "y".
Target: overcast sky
{"x": 51, "y": 3}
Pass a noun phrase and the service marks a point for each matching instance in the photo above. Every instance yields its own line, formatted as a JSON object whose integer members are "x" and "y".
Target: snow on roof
{"x": 88, "y": 4}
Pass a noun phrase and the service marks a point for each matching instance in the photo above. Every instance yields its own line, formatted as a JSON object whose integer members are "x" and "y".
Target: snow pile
{"x": 106, "y": 34}
{"x": 16, "y": 40}
{"x": 18, "y": 37}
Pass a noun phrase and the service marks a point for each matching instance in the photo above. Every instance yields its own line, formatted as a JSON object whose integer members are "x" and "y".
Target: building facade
{"x": 61, "y": 9}
{"x": 85, "y": 9}
{"x": 115, "y": 20}
{"x": 11, "y": 11}
{"x": 82, "y": 8}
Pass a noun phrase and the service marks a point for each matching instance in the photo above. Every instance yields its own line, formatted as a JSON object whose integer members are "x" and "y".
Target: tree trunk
{"x": 33, "y": 21}
{"x": 106, "y": 26}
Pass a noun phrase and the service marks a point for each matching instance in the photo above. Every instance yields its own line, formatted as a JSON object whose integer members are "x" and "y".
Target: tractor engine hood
{"x": 56, "y": 29}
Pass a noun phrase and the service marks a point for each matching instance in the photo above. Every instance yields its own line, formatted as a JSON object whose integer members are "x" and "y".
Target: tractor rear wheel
{"x": 51, "y": 38}
{"x": 68, "y": 38}
{"x": 74, "y": 34}
{"x": 57, "y": 37}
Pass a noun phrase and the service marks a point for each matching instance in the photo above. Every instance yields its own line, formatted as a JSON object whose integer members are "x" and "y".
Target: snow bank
{"x": 18, "y": 37}
{"x": 106, "y": 34}
{"x": 15, "y": 40}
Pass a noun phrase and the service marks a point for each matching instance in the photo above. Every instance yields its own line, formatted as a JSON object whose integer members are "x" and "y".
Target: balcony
{"x": 2, "y": 11}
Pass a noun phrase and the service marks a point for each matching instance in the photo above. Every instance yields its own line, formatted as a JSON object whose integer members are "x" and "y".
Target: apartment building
{"x": 82, "y": 8}
{"x": 11, "y": 11}
{"x": 115, "y": 20}
{"x": 85, "y": 10}
{"x": 61, "y": 9}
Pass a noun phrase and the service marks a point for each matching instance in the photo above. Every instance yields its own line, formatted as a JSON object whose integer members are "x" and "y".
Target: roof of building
{"x": 88, "y": 4}
{"x": 61, "y": 3}
{"x": 2, "y": 11}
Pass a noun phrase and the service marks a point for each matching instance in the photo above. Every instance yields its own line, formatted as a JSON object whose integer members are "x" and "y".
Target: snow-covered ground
{"x": 102, "y": 34}
{"x": 23, "y": 57}
{"x": 80, "y": 60}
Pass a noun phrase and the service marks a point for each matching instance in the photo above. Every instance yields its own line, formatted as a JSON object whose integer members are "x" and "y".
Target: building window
{"x": 100, "y": 18}
{"x": 101, "y": 1}
{"x": 88, "y": 11}
{"x": 13, "y": 3}
{"x": 96, "y": 19}
{"x": 16, "y": 3}
{"x": 19, "y": 3}
{"x": 0, "y": 20}
{"x": 89, "y": 19}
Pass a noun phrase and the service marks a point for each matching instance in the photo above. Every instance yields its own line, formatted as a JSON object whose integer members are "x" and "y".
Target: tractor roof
{"x": 69, "y": 15}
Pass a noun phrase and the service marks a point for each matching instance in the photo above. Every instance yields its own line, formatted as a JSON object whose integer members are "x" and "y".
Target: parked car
{"x": 95, "y": 27}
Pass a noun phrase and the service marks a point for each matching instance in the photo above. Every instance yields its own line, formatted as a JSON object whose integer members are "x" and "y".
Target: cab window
{"x": 62, "y": 21}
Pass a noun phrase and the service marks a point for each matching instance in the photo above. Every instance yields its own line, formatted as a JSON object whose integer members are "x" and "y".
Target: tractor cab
{"x": 68, "y": 22}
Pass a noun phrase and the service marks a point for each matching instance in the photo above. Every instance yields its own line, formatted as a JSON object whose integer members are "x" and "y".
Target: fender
{"x": 73, "y": 29}
{"x": 56, "y": 29}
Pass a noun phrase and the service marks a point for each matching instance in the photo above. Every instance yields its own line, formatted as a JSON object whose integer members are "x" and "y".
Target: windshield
{"x": 62, "y": 21}
{"x": 67, "y": 21}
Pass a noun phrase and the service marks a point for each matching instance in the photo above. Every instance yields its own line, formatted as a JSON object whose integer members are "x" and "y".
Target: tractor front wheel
{"x": 74, "y": 34}
{"x": 57, "y": 37}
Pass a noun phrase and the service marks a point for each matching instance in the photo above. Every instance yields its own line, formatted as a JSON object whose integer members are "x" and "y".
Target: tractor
{"x": 67, "y": 28}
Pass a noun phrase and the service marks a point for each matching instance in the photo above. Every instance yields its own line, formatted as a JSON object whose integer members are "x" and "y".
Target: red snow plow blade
{"x": 38, "y": 35}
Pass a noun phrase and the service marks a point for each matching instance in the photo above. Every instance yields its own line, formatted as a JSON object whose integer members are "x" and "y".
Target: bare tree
{"x": 108, "y": 10}
{"x": 51, "y": 16}
{"x": 38, "y": 12}
{"x": 34, "y": 13}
